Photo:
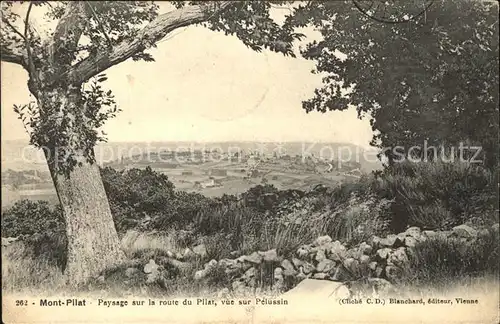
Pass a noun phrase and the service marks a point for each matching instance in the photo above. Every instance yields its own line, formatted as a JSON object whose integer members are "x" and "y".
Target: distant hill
{"x": 18, "y": 155}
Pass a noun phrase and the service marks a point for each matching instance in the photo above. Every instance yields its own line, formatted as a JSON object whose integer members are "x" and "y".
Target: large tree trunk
{"x": 93, "y": 243}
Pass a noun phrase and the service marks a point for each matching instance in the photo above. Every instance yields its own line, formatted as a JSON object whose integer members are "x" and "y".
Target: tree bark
{"x": 93, "y": 243}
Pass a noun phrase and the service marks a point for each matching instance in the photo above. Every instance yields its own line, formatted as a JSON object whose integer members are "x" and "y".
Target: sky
{"x": 205, "y": 86}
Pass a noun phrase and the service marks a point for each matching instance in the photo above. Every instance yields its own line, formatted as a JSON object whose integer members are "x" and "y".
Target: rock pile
{"x": 383, "y": 259}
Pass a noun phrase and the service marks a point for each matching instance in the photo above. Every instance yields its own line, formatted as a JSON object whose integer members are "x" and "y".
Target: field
{"x": 206, "y": 173}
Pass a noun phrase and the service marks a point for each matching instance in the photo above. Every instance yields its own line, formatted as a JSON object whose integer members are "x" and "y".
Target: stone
{"x": 150, "y": 266}
{"x": 255, "y": 258}
{"x": 325, "y": 266}
{"x": 228, "y": 263}
{"x": 464, "y": 231}
{"x": 320, "y": 275}
{"x": 302, "y": 253}
{"x": 398, "y": 257}
{"x": 410, "y": 241}
{"x": 235, "y": 254}
{"x": 483, "y": 233}
{"x": 364, "y": 259}
{"x": 179, "y": 256}
{"x": 383, "y": 253}
{"x": 414, "y": 232}
{"x": 170, "y": 254}
{"x": 270, "y": 256}
{"x": 200, "y": 274}
{"x": 278, "y": 273}
{"x": 495, "y": 227}
{"x": 289, "y": 270}
{"x": 379, "y": 271}
{"x": 351, "y": 265}
{"x": 308, "y": 268}
{"x": 373, "y": 265}
{"x": 211, "y": 265}
{"x": 390, "y": 241}
{"x": 320, "y": 256}
{"x": 297, "y": 262}
{"x": 130, "y": 272}
{"x": 429, "y": 234}
{"x": 341, "y": 274}
{"x": 365, "y": 248}
{"x": 322, "y": 240}
{"x": 200, "y": 250}
{"x": 375, "y": 241}
{"x": 337, "y": 252}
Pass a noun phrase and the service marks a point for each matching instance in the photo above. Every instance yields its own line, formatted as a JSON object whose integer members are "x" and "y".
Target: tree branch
{"x": 147, "y": 37}
{"x": 14, "y": 29}
{"x": 67, "y": 33}
{"x": 13, "y": 53}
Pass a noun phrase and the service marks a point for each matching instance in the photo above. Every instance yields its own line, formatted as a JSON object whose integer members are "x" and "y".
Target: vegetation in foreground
{"x": 157, "y": 222}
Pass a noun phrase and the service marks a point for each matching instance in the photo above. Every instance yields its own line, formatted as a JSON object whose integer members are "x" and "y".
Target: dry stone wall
{"x": 380, "y": 260}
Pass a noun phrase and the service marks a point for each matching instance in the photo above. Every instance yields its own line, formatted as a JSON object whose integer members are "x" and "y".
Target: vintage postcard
{"x": 250, "y": 161}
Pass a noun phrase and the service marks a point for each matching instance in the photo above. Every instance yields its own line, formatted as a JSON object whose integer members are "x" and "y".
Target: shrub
{"x": 438, "y": 195}
{"x": 440, "y": 261}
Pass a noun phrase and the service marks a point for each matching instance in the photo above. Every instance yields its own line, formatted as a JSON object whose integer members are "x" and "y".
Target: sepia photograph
{"x": 250, "y": 161}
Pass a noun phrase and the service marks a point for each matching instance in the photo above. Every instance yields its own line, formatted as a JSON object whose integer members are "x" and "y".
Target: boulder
{"x": 278, "y": 273}
{"x": 398, "y": 257}
{"x": 200, "y": 274}
{"x": 307, "y": 268}
{"x": 200, "y": 250}
{"x": 325, "y": 266}
{"x": 150, "y": 267}
{"x": 320, "y": 276}
{"x": 429, "y": 234}
{"x": 383, "y": 253}
{"x": 322, "y": 240}
{"x": 254, "y": 258}
{"x": 464, "y": 231}
{"x": 211, "y": 265}
{"x": 337, "y": 251}
{"x": 351, "y": 265}
{"x": 320, "y": 256}
{"x": 270, "y": 256}
{"x": 414, "y": 232}
{"x": 364, "y": 259}
{"x": 288, "y": 269}
{"x": 297, "y": 262}
{"x": 303, "y": 252}
{"x": 411, "y": 241}
{"x": 365, "y": 248}
{"x": 391, "y": 240}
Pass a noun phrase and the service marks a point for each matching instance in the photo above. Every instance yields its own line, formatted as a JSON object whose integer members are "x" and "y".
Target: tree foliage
{"x": 66, "y": 64}
{"x": 434, "y": 78}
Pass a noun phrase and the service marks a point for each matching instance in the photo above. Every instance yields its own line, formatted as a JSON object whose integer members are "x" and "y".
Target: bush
{"x": 440, "y": 261}
{"x": 437, "y": 195}
{"x": 41, "y": 227}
